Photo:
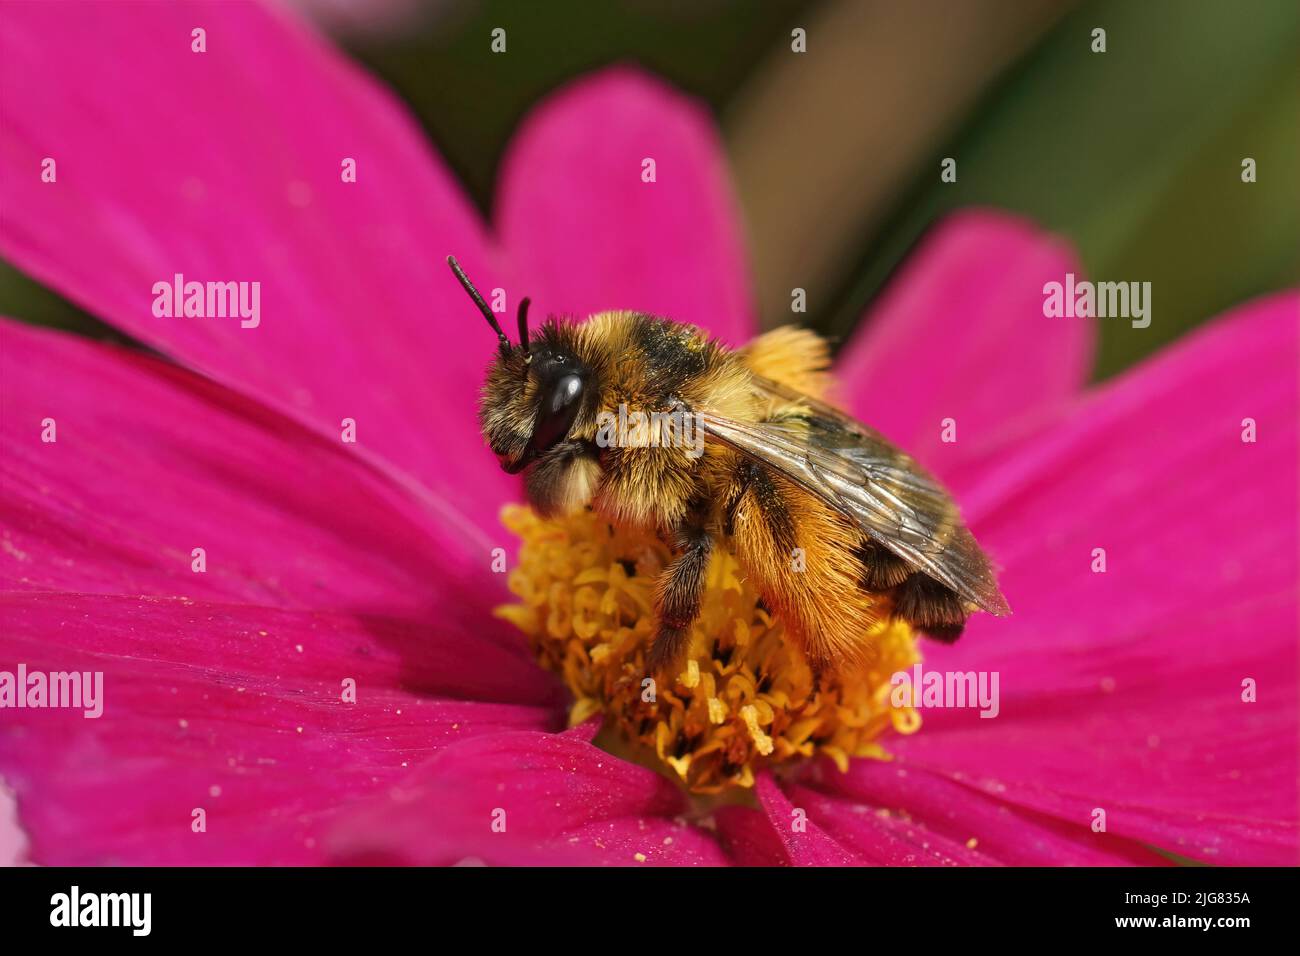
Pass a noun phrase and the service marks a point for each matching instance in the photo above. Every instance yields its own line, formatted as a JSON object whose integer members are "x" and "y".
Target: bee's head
{"x": 534, "y": 390}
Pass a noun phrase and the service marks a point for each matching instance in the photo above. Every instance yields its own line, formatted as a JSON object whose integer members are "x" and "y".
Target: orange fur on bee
{"x": 824, "y": 606}
{"x": 800, "y": 552}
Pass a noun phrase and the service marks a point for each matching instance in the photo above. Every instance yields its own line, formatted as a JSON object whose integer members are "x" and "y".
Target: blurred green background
{"x": 1133, "y": 154}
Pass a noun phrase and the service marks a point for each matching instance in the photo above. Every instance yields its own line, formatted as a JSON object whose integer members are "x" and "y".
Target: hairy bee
{"x": 836, "y": 525}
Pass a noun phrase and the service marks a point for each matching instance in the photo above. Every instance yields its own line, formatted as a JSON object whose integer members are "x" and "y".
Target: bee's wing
{"x": 860, "y": 474}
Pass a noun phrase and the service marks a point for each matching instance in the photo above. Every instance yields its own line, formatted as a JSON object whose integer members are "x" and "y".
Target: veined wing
{"x": 860, "y": 474}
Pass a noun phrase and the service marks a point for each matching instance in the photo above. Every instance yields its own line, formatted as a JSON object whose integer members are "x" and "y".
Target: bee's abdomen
{"x": 930, "y": 607}
{"x": 881, "y": 568}
{"x": 802, "y": 555}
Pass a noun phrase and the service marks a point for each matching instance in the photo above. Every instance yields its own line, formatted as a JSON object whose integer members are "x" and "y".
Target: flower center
{"x": 745, "y": 697}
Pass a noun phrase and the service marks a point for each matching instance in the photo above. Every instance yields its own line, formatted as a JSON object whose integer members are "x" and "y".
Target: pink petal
{"x": 1123, "y": 690}
{"x": 151, "y": 462}
{"x": 587, "y": 234}
{"x": 878, "y": 839}
{"x": 960, "y": 333}
{"x": 238, "y": 711}
{"x": 13, "y": 841}
{"x": 806, "y": 842}
{"x": 883, "y": 806}
{"x": 561, "y": 802}
{"x": 748, "y": 837}
{"x": 226, "y": 166}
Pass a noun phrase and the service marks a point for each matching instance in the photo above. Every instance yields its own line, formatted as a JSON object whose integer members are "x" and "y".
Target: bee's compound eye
{"x": 566, "y": 393}
{"x": 558, "y": 411}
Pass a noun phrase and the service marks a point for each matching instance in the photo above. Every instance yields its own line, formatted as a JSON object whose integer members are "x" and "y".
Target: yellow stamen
{"x": 744, "y": 699}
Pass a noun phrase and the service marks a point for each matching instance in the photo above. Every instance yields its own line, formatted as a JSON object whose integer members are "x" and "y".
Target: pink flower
{"x": 329, "y": 562}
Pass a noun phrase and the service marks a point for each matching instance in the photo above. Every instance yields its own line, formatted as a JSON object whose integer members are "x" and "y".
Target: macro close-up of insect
{"x": 884, "y": 453}
{"x": 839, "y": 527}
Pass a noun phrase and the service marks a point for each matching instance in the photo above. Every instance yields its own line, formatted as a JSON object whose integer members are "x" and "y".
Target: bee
{"x": 838, "y": 528}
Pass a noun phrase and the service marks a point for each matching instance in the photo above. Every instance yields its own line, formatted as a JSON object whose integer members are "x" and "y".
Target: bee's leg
{"x": 741, "y": 481}
{"x": 679, "y": 591}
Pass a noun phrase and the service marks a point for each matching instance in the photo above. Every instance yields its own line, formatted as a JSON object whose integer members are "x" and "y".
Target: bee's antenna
{"x": 482, "y": 306}
{"x": 523, "y": 327}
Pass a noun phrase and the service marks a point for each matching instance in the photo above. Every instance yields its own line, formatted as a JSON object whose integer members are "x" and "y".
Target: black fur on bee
{"x": 930, "y": 607}
{"x": 881, "y": 568}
